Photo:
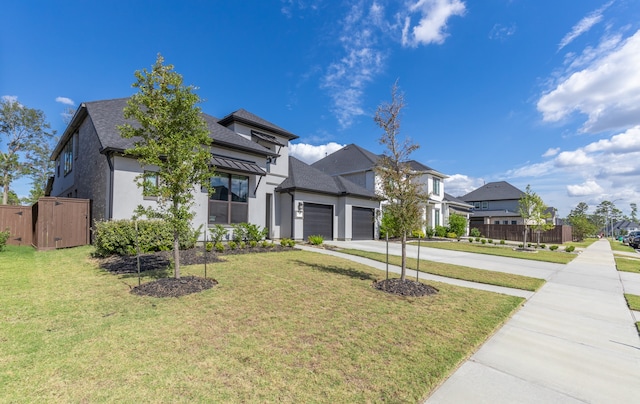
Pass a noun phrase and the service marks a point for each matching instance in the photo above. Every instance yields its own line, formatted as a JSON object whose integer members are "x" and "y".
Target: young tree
{"x": 458, "y": 224}
{"x": 39, "y": 169}
{"x": 173, "y": 137}
{"x": 23, "y": 129}
{"x": 532, "y": 209}
{"x": 580, "y": 222}
{"x": 634, "y": 212}
{"x": 399, "y": 184}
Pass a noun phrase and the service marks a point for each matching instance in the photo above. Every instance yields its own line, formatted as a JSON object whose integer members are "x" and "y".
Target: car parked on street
{"x": 633, "y": 239}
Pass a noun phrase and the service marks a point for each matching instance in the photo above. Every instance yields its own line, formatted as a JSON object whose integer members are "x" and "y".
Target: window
{"x": 485, "y": 205}
{"x": 496, "y": 222}
{"x": 68, "y": 156}
{"x": 476, "y": 205}
{"x": 436, "y": 186}
{"x": 150, "y": 187}
{"x": 229, "y": 202}
{"x": 514, "y": 222}
{"x": 505, "y": 222}
{"x": 436, "y": 217}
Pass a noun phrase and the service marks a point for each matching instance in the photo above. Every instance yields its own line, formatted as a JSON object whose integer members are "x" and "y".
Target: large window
{"x": 436, "y": 217}
{"x": 150, "y": 190}
{"x": 436, "y": 186}
{"x": 229, "y": 202}
{"x": 68, "y": 156}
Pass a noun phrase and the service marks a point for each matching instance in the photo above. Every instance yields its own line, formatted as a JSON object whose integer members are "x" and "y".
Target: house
{"x": 251, "y": 157}
{"x": 497, "y": 203}
{"x": 357, "y": 165}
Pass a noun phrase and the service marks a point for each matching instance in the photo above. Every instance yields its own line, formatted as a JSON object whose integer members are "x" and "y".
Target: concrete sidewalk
{"x": 573, "y": 342}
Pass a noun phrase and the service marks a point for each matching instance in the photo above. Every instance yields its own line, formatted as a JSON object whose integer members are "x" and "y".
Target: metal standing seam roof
{"x": 242, "y": 166}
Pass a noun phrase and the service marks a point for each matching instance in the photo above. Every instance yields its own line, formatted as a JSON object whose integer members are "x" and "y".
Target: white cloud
{"x": 363, "y": 60}
{"x": 587, "y": 188}
{"x": 584, "y": 25}
{"x": 551, "y": 152}
{"x": 607, "y": 90}
{"x": 502, "y": 32}
{"x": 65, "y": 101}
{"x": 460, "y": 184}
{"x": 573, "y": 159}
{"x": 431, "y": 28}
{"x": 310, "y": 153}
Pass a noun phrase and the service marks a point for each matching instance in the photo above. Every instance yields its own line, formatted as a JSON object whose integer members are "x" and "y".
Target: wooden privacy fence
{"x": 50, "y": 223}
{"x": 515, "y": 232}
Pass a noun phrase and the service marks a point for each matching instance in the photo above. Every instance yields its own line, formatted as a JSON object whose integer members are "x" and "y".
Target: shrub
{"x": 520, "y": 245}
{"x": 483, "y": 241}
{"x": 474, "y": 232}
{"x": 239, "y": 232}
{"x": 570, "y": 248}
{"x": 232, "y": 245}
{"x": 218, "y": 233}
{"x": 529, "y": 245}
{"x": 316, "y": 240}
{"x": 255, "y": 232}
{"x": 490, "y": 241}
{"x": 543, "y": 246}
{"x": 209, "y": 247}
{"x": 417, "y": 234}
{"x": 502, "y": 242}
{"x": 478, "y": 239}
{"x": 4, "y": 236}
{"x": 287, "y": 242}
{"x": 553, "y": 247}
{"x": 219, "y": 247}
{"x": 457, "y": 223}
{"x": 470, "y": 240}
{"x": 242, "y": 245}
{"x": 266, "y": 244}
{"x": 441, "y": 231}
{"x": 253, "y": 243}
{"x": 388, "y": 226}
{"x": 120, "y": 236}
{"x": 452, "y": 235}
{"x": 429, "y": 232}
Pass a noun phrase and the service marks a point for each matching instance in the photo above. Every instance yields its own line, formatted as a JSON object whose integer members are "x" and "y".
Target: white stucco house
{"x": 256, "y": 180}
{"x": 357, "y": 164}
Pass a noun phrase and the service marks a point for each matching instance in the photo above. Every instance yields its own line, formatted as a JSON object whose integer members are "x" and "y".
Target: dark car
{"x": 633, "y": 239}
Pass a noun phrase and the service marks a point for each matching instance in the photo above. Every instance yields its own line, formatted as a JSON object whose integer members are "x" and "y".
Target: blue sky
{"x": 536, "y": 92}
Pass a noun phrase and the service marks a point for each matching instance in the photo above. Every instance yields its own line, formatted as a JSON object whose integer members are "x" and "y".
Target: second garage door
{"x": 362, "y": 223}
{"x": 318, "y": 220}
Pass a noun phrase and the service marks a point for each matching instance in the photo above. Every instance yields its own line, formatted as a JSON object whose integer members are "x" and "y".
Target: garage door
{"x": 362, "y": 224}
{"x": 318, "y": 220}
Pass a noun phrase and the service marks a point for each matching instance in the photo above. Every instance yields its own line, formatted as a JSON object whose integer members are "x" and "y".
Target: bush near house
{"x": 316, "y": 240}
{"x": 120, "y": 236}
{"x": 4, "y": 236}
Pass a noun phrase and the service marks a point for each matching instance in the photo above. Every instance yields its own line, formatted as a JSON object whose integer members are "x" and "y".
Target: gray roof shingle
{"x": 493, "y": 191}
{"x": 307, "y": 178}
{"x": 247, "y": 117}
{"x": 108, "y": 115}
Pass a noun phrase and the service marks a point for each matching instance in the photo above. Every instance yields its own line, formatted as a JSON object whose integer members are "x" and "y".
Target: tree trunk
{"x": 403, "y": 270}
{"x": 176, "y": 255}
{"x": 5, "y": 190}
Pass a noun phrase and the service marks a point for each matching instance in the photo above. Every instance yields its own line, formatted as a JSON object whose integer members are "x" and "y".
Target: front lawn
{"x": 279, "y": 327}
{"x": 457, "y": 272}
{"x": 559, "y": 257}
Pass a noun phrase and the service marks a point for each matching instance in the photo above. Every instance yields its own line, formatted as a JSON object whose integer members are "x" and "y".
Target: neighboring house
{"x": 622, "y": 227}
{"x": 251, "y": 156}
{"x": 457, "y": 206}
{"x": 497, "y": 203}
{"x": 356, "y": 164}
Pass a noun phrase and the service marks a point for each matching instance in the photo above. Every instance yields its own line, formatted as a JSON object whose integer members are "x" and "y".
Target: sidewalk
{"x": 574, "y": 341}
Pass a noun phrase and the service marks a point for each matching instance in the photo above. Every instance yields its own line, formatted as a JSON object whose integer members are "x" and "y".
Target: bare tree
{"x": 398, "y": 183}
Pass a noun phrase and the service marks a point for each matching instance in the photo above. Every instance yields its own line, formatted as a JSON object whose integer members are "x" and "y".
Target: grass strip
{"x": 558, "y": 257}
{"x": 618, "y": 246}
{"x": 279, "y": 327}
{"x": 627, "y": 264}
{"x": 457, "y": 271}
{"x": 633, "y": 301}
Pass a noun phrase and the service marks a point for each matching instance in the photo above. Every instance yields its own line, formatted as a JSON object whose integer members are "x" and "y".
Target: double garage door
{"x": 318, "y": 220}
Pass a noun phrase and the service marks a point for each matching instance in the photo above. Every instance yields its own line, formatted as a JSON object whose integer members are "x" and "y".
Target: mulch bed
{"x": 405, "y": 288}
{"x": 172, "y": 287}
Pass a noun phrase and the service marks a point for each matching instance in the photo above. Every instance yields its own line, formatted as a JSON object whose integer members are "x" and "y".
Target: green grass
{"x": 582, "y": 244}
{"x": 558, "y": 257}
{"x": 458, "y": 272}
{"x": 627, "y": 264}
{"x": 618, "y": 246}
{"x": 280, "y": 327}
{"x": 633, "y": 301}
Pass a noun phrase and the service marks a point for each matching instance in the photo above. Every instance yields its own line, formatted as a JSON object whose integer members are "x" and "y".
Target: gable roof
{"x": 246, "y": 117}
{"x": 303, "y": 177}
{"x": 493, "y": 191}
{"x": 450, "y": 199}
{"x": 107, "y": 115}
{"x": 351, "y": 158}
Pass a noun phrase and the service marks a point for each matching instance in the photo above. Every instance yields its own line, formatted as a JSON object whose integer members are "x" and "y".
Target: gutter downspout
{"x": 110, "y": 199}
